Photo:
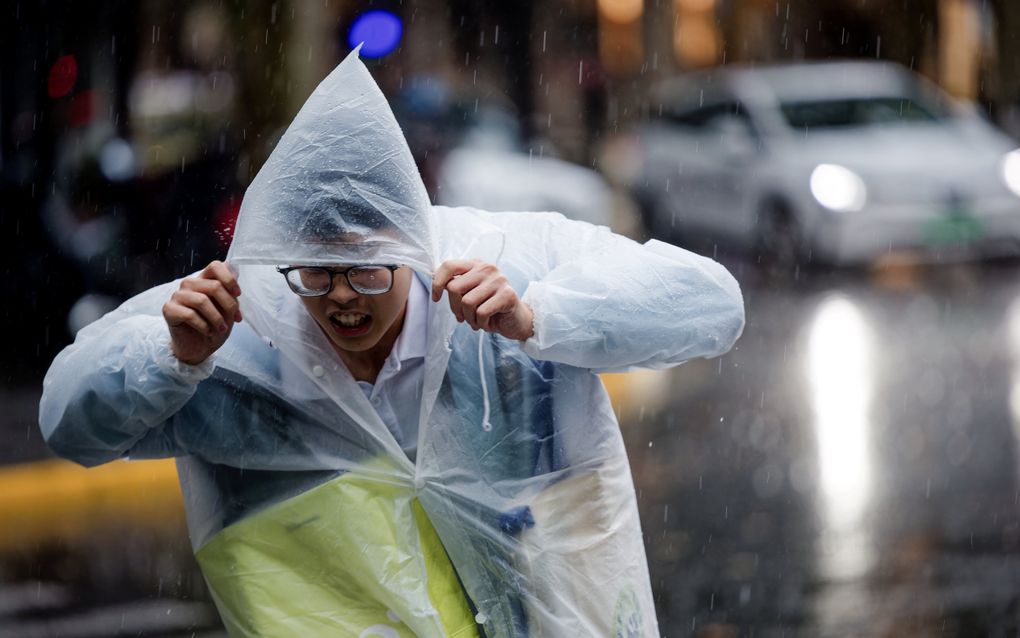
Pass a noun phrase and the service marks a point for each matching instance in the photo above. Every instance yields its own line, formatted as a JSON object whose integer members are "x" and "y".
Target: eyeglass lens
{"x": 363, "y": 279}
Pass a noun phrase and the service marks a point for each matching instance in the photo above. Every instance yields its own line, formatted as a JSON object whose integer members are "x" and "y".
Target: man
{"x": 359, "y": 456}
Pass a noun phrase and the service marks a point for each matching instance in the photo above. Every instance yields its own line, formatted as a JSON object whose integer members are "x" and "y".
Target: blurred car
{"x": 472, "y": 152}
{"x": 490, "y": 169}
{"x": 836, "y": 162}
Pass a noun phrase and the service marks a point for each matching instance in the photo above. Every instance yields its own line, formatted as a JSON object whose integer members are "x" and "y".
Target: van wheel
{"x": 780, "y": 243}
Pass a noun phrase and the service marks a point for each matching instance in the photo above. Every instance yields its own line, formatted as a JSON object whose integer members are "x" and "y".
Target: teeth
{"x": 349, "y": 320}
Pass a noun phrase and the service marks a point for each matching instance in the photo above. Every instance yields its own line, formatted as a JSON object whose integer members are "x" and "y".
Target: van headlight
{"x": 838, "y": 188}
{"x": 1009, "y": 170}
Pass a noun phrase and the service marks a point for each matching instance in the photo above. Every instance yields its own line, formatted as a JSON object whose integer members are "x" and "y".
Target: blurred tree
{"x": 1005, "y": 89}
{"x": 763, "y": 30}
{"x": 510, "y": 27}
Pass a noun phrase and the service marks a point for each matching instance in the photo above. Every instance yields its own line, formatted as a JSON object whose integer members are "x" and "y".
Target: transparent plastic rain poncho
{"x": 517, "y": 516}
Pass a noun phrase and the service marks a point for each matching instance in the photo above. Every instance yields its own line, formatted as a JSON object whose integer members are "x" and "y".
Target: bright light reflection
{"x": 1013, "y": 319}
{"x": 839, "y": 374}
{"x": 838, "y": 188}
{"x": 1009, "y": 169}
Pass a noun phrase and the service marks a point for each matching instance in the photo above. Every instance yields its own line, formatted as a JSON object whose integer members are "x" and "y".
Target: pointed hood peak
{"x": 340, "y": 187}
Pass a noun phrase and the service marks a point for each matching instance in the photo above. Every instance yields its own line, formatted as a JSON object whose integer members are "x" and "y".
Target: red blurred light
{"x": 63, "y": 75}
{"x": 225, "y": 219}
{"x": 82, "y": 108}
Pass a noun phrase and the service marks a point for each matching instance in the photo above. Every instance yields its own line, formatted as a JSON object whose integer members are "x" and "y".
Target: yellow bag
{"x": 353, "y": 557}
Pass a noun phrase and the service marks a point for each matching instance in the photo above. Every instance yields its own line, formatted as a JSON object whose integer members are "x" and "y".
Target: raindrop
{"x": 745, "y": 595}
{"x": 800, "y": 474}
{"x": 958, "y": 449}
{"x": 931, "y": 387}
{"x": 767, "y": 480}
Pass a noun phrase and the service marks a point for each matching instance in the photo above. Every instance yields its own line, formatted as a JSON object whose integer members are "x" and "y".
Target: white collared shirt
{"x": 396, "y": 393}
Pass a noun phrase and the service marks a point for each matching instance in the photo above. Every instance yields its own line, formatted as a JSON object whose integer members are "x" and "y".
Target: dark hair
{"x": 330, "y": 219}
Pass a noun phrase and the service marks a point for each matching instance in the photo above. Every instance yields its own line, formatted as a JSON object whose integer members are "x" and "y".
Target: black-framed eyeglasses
{"x": 315, "y": 281}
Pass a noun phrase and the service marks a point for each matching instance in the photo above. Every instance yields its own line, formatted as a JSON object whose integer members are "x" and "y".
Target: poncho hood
{"x": 340, "y": 187}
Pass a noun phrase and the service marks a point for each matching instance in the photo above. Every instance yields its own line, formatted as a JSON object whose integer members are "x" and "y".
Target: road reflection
{"x": 840, "y": 377}
{"x": 1014, "y": 393}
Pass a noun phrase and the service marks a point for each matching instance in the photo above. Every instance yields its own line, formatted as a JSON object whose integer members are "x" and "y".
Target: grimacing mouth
{"x": 349, "y": 319}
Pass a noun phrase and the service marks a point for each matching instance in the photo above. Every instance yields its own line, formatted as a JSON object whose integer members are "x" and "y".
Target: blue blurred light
{"x": 378, "y": 31}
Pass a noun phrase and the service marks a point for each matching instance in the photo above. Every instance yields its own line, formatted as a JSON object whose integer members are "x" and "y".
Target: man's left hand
{"x": 481, "y": 295}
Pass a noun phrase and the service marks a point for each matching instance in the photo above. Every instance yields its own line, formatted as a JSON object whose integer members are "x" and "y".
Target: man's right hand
{"x": 201, "y": 313}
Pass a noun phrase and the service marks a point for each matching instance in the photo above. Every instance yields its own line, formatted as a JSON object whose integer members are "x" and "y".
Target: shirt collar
{"x": 411, "y": 342}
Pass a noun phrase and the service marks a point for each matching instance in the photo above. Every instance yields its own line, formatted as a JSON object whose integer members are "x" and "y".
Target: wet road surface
{"x": 850, "y": 469}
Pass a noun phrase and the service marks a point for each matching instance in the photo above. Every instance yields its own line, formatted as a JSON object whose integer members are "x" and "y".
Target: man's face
{"x": 361, "y": 323}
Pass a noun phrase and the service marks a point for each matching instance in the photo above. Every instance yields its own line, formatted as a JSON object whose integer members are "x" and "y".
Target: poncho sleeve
{"x": 605, "y": 302}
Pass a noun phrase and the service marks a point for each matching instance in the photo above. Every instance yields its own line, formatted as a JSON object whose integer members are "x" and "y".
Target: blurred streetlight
{"x": 696, "y": 39}
{"x": 960, "y": 47}
{"x": 379, "y": 32}
{"x": 621, "y": 44}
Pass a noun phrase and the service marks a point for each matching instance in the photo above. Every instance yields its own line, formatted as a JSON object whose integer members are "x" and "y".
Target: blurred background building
{"x": 775, "y": 503}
